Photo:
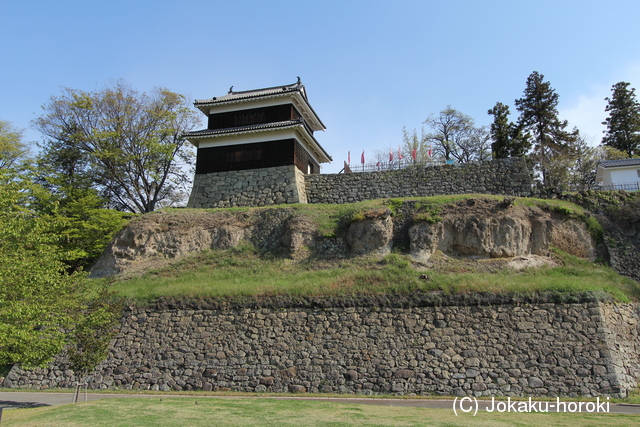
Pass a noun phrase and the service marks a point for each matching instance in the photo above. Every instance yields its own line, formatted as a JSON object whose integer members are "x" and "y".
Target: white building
{"x": 619, "y": 175}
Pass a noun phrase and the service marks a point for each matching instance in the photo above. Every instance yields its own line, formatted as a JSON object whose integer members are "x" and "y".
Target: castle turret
{"x": 256, "y": 146}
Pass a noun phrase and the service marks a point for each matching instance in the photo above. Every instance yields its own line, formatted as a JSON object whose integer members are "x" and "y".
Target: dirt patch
{"x": 442, "y": 263}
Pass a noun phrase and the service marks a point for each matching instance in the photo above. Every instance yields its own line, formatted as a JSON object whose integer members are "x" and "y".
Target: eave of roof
{"x": 265, "y": 127}
{"x": 618, "y": 163}
{"x": 240, "y": 129}
{"x": 253, "y": 93}
{"x": 265, "y": 93}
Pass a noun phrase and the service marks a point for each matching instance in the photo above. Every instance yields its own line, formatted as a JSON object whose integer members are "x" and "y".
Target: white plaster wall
{"x": 620, "y": 176}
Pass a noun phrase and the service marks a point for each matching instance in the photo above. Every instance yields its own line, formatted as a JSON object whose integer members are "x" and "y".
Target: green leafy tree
{"x": 40, "y": 301}
{"x": 507, "y": 138}
{"x": 12, "y": 149}
{"x": 411, "y": 141}
{"x": 84, "y": 228}
{"x": 561, "y": 167}
{"x": 539, "y": 117}
{"x": 130, "y": 142}
{"x": 623, "y": 123}
{"x": 94, "y": 329}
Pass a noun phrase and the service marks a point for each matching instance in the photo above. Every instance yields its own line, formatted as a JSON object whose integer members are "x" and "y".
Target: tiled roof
{"x": 257, "y": 128}
{"x": 618, "y": 163}
{"x": 261, "y": 126}
{"x": 254, "y": 93}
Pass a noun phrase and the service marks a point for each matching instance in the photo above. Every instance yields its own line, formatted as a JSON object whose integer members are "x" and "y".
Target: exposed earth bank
{"x": 474, "y": 229}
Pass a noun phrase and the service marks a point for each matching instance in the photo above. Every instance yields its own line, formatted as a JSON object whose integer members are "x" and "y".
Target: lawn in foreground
{"x": 133, "y": 412}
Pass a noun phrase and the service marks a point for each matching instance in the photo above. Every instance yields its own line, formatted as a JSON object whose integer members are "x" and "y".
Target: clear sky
{"x": 370, "y": 67}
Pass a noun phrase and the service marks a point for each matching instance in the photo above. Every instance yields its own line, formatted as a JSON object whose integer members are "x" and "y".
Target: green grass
{"x": 147, "y": 412}
{"x": 243, "y": 272}
{"x": 573, "y": 275}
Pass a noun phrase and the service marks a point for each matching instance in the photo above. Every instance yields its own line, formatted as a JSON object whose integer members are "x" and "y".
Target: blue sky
{"x": 370, "y": 67}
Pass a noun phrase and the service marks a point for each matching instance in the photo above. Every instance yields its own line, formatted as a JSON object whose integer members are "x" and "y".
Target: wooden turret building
{"x": 257, "y": 146}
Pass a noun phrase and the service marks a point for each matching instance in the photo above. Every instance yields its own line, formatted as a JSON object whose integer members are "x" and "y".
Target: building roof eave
{"x": 608, "y": 164}
{"x": 299, "y": 125}
{"x": 295, "y": 91}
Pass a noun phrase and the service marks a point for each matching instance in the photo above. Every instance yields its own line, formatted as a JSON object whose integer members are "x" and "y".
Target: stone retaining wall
{"x": 253, "y": 187}
{"x": 286, "y": 184}
{"x": 506, "y": 176}
{"x": 509, "y": 348}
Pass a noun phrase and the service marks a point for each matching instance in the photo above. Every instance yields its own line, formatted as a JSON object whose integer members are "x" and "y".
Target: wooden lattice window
{"x": 244, "y": 155}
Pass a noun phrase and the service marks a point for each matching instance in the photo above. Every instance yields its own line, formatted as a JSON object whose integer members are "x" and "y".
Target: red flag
{"x": 414, "y": 153}
{"x": 349, "y": 157}
{"x": 390, "y": 155}
{"x": 430, "y": 148}
{"x": 362, "y": 157}
{"x": 399, "y": 153}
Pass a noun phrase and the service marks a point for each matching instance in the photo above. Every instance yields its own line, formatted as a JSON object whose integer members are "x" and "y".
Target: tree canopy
{"x": 128, "y": 145}
{"x": 539, "y": 117}
{"x": 507, "y": 137}
{"x": 454, "y": 136}
{"x": 12, "y": 149}
{"x": 41, "y": 303}
{"x": 623, "y": 123}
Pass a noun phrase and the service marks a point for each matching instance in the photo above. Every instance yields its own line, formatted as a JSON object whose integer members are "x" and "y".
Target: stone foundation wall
{"x": 508, "y": 348}
{"x": 286, "y": 184}
{"x": 505, "y": 176}
{"x": 253, "y": 187}
{"x": 621, "y": 332}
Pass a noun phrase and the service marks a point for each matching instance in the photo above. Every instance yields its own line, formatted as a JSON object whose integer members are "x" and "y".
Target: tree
{"x": 84, "y": 228}
{"x": 92, "y": 333}
{"x": 130, "y": 142}
{"x": 476, "y": 146}
{"x": 453, "y": 135}
{"x": 539, "y": 117}
{"x": 83, "y": 224}
{"x": 623, "y": 123}
{"x": 412, "y": 143}
{"x": 40, "y": 301}
{"x": 507, "y": 137}
{"x": 12, "y": 149}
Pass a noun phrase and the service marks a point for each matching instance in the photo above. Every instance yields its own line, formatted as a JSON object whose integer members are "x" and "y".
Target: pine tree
{"x": 508, "y": 140}
{"x": 539, "y": 116}
{"x": 623, "y": 123}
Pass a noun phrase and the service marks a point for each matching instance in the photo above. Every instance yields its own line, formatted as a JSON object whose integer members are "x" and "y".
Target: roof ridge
{"x": 296, "y": 84}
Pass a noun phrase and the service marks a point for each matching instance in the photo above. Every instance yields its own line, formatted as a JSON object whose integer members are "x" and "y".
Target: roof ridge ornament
{"x": 231, "y": 89}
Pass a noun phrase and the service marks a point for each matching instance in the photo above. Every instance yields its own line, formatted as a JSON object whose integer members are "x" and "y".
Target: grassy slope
{"x": 242, "y": 271}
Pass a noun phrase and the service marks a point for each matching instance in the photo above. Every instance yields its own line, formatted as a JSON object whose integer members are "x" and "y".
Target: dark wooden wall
{"x": 253, "y": 116}
{"x": 255, "y": 156}
{"x": 304, "y": 161}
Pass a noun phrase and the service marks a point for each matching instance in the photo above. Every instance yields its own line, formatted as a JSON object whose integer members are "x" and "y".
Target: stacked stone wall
{"x": 513, "y": 348}
{"x": 252, "y": 187}
{"x": 287, "y": 184}
{"x": 505, "y": 176}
